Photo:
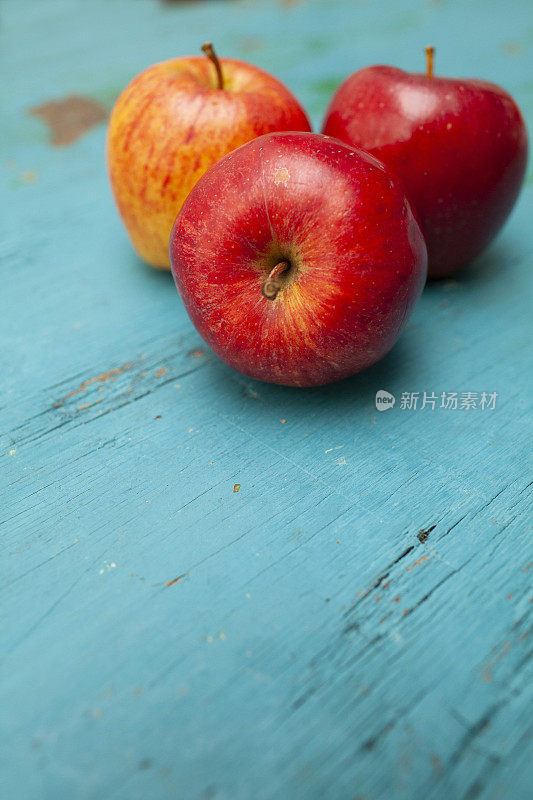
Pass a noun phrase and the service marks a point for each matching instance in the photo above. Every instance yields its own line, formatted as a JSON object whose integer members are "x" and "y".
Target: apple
{"x": 298, "y": 259}
{"x": 458, "y": 146}
{"x": 172, "y": 123}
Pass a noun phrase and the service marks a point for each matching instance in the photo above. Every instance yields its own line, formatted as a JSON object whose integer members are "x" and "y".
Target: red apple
{"x": 172, "y": 123}
{"x": 458, "y": 146}
{"x": 298, "y": 259}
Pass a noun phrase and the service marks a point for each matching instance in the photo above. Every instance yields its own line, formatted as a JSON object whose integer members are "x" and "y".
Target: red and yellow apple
{"x": 172, "y": 123}
{"x": 459, "y": 147}
{"x": 298, "y": 259}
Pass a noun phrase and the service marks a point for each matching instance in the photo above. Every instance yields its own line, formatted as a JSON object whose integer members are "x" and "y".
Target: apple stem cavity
{"x": 272, "y": 285}
{"x": 209, "y": 50}
{"x": 430, "y": 55}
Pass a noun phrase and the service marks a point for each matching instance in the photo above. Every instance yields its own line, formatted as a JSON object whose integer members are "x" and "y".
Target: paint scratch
{"x": 102, "y": 378}
{"x": 174, "y": 581}
{"x": 416, "y": 563}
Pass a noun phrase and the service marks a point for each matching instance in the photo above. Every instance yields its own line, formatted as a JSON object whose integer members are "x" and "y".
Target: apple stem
{"x": 209, "y": 50}
{"x": 272, "y": 285}
{"x": 430, "y": 53}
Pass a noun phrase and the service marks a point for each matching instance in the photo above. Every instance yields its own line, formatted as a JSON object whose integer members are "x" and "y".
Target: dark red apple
{"x": 298, "y": 259}
{"x": 458, "y": 146}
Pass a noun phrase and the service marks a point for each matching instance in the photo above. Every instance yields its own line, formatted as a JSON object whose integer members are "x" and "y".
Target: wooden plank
{"x": 355, "y": 621}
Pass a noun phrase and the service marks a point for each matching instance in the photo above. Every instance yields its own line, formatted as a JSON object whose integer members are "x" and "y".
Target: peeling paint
{"x": 70, "y": 118}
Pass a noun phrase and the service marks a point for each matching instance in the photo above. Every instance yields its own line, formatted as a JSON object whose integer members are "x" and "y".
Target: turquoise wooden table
{"x": 354, "y": 622}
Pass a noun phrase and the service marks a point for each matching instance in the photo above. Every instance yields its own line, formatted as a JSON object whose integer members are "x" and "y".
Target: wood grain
{"x": 355, "y": 620}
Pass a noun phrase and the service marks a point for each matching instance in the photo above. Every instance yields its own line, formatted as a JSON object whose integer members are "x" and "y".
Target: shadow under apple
{"x": 491, "y": 265}
{"x": 357, "y": 391}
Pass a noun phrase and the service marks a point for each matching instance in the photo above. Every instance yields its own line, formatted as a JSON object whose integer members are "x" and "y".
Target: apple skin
{"x": 171, "y": 124}
{"x": 458, "y": 146}
{"x": 357, "y": 259}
